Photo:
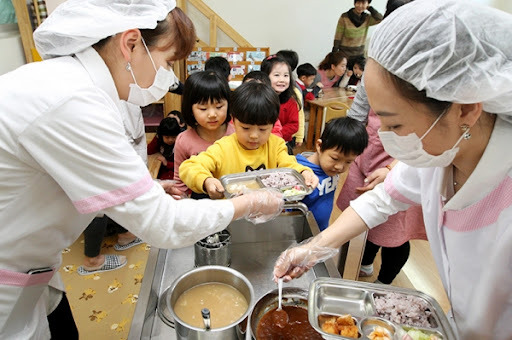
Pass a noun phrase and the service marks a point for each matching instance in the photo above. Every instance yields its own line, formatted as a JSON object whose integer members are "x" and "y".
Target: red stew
{"x": 297, "y": 328}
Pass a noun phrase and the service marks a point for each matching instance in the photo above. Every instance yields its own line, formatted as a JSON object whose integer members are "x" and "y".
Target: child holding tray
{"x": 255, "y": 109}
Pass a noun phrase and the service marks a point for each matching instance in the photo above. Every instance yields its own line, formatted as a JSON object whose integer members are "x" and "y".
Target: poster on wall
{"x": 255, "y": 56}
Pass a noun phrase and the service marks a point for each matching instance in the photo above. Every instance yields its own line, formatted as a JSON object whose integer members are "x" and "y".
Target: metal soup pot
{"x": 292, "y": 296}
{"x": 210, "y": 274}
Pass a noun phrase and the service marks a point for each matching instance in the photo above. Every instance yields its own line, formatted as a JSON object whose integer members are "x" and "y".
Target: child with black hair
{"x": 179, "y": 117}
{"x": 306, "y": 74}
{"x": 255, "y": 109}
{"x": 219, "y": 65}
{"x": 263, "y": 78}
{"x": 163, "y": 142}
{"x": 342, "y": 140}
{"x": 206, "y": 100}
{"x": 292, "y": 58}
{"x": 282, "y": 82}
{"x": 358, "y": 64}
{"x": 259, "y": 76}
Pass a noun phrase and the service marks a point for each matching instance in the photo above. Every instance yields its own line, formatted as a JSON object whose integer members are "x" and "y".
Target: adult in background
{"x": 352, "y": 28}
{"x": 64, "y": 156}
{"x": 452, "y": 140}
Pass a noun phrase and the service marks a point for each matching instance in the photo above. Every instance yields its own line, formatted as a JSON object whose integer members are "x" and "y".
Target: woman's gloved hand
{"x": 298, "y": 259}
{"x": 261, "y": 205}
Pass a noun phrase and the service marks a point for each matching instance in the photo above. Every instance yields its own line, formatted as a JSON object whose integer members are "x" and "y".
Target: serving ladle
{"x": 279, "y": 316}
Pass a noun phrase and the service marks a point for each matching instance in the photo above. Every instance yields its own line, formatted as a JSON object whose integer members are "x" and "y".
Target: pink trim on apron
{"x": 11, "y": 278}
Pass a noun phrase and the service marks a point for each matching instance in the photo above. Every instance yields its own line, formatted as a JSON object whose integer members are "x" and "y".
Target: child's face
{"x": 308, "y": 80}
{"x": 332, "y": 161}
{"x": 280, "y": 77}
{"x": 358, "y": 71}
{"x": 340, "y": 69}
{"x": 210, "y": 115}
{"x": 169, "y": 140}
{"x": 251, "y": 137}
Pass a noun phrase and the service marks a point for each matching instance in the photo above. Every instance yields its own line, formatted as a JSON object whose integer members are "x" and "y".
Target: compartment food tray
{"x": 330, "y": 296}
{"x": 255, "y": 180}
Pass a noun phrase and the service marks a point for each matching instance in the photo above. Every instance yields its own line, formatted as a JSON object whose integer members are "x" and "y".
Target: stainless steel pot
{"x": 292, "y": 296}
{"x": 209, "y": 274}
{"x": 213, "y": 250}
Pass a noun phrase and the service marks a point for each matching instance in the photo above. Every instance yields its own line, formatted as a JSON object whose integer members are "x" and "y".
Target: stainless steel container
{"x": 209, "y": 274}
{"x": 332, "y": 296}
{"x": 213, "y": 250}
{"x": 292, "y": 296}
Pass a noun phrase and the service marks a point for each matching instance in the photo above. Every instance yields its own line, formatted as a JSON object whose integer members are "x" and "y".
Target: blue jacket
{"x": 320, "y": 201}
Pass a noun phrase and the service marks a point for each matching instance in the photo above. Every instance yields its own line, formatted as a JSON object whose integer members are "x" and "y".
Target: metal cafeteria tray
{"x": 330, "y": 296}
{"x": 255, "y": 180}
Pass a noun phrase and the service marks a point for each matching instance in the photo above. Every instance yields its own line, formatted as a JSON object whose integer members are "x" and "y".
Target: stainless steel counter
{"x": 254, "y": 251}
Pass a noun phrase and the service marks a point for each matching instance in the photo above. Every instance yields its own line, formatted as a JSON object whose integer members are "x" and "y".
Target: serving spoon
{"x": 280, "y": 317}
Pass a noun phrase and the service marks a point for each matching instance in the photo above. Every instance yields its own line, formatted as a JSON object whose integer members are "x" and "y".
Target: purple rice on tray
{"x": 404, "y": 309}
{"x": 279, "y": 180}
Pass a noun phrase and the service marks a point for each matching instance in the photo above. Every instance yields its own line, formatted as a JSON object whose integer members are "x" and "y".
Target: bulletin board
{"x": 241, "y": 59}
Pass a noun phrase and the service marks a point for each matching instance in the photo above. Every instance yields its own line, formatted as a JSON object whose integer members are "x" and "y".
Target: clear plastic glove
{"x": 214, "y": 188}
{"x": 376, "y": 177}
{"x": 169, "y": 187}
{"x": 310, "y": 178}
{"x": 262, "y": 205}
{"x": 298, "y": 259}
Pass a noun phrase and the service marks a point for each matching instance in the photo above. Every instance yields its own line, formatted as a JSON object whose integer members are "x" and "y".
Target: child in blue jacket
{"x": 341, "y": 142}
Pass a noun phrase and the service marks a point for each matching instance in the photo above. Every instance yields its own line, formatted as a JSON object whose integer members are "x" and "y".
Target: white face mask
{"x": 163, "y": 80}
{"x": 409, "y": 149}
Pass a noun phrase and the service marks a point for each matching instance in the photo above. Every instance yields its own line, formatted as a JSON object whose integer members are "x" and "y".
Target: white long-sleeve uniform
{"x": 64, "y": 157}
{"x": 470, "y": 233}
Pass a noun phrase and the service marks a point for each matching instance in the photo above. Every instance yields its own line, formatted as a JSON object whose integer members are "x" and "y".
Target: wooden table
{"x": 154, "y": 165}
{"x": 316, "y": 111}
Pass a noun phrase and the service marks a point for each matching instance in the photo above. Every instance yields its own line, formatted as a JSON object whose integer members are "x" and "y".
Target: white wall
{"x": 305, "y": 26}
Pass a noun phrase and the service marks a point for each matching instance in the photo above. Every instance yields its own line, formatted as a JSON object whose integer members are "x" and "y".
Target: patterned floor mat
{"x": 103, "y": 304}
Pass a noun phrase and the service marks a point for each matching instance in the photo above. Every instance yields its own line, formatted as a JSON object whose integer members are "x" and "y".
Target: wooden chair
{"x": 334, "y": 110}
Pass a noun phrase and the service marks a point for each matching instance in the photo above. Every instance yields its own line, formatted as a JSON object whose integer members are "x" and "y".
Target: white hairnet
{"x": 77, "y": 24}
{"x": 457, "y": 51}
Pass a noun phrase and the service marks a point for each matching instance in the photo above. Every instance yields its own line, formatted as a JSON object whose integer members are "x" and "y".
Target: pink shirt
{"x": 328, "y": 83}
{"x": 188, "y": 143}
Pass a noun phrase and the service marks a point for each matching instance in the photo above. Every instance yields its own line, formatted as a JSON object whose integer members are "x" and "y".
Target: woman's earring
{"x": 465, "y": 129}
{"x": 128, "y": 67}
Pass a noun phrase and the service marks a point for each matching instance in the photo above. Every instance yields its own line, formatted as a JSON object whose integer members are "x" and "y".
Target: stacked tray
{"x": 293, "y": 186}
{"x": 329, "y": 297}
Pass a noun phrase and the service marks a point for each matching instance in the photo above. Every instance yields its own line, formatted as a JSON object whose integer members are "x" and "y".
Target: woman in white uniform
{"x": 440, "y": 78}
{"x": 64, "y": 156}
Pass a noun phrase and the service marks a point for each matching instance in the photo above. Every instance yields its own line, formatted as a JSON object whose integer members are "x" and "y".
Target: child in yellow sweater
{"x": 255, "y": 109}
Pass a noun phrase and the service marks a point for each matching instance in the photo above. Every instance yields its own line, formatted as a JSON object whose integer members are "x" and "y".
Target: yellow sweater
{"x": 227, "y": 156}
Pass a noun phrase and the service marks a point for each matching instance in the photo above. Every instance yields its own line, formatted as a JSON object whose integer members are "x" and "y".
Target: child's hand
{"x": 162, "y": 159}
{"x": 214, "y": 188}
{"x": 376, "y": 177}
{"x": 169, "y": 187}
{"x": 310, "y": 178}
{"x": 349, "y": 73}
{"x": 320, "y": 85}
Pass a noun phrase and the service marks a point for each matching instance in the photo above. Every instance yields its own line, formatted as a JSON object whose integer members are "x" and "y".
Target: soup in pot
{"x": 226, "y": 305}
{"x": 297, "y": 327}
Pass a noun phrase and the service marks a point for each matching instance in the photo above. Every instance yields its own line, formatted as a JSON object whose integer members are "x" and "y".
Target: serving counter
{"x": 254, "y": 250}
